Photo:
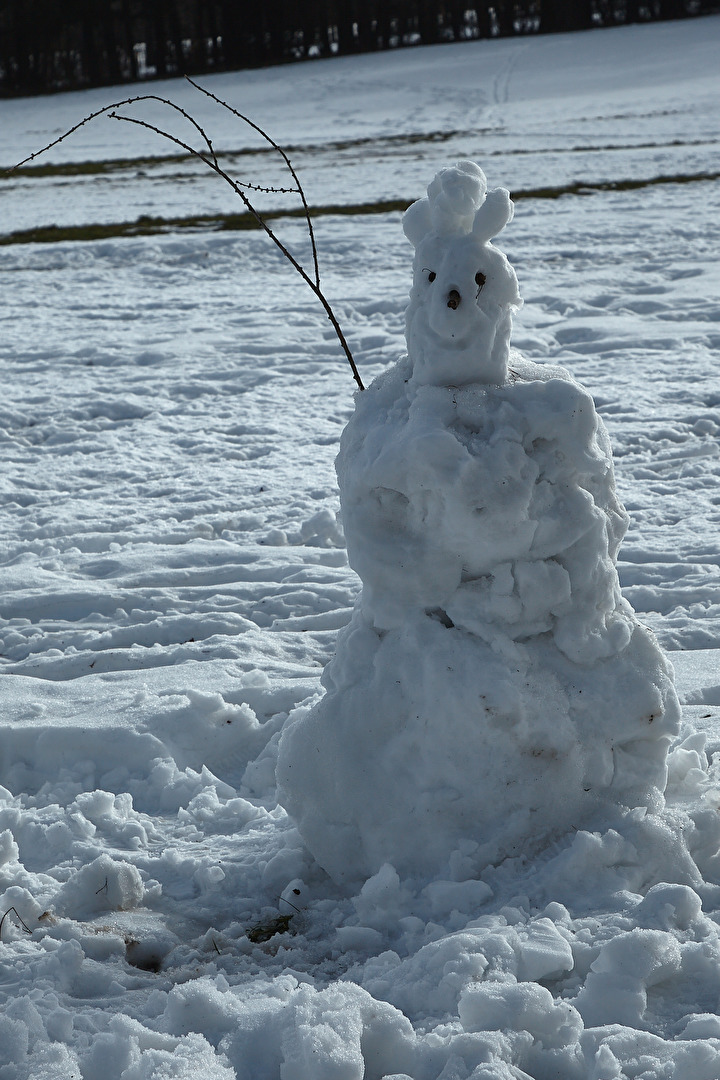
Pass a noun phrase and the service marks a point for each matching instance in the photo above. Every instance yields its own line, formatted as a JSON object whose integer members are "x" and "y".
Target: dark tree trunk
{"x": 274, "y": 23}
{"x": 673, "y": 9}
{"x": 456, "y": 13}
{"x": 367, "y": 37}
{"x": 344, "y": 16}
{"x": 175, "y": 35}
{"x": 23, "y": 78}
{"x": 559, "y": 16}
{"x": 129, "y": 40}
{"x": 89, "y": 51}
{"x": 483, "y": 19}
{"x": 383, "y": 24}
{"x": 232, "y": 36}
{"x": 428, "y": 23}
{"x": 109, "y": 37}
{"x": 504, "y": 18}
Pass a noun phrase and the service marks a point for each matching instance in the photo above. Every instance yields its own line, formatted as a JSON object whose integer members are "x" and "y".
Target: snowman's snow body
{"x": 493, "y": 688}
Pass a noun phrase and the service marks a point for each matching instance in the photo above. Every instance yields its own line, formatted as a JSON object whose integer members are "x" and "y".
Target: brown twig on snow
{"x": 210, "y": 159}
{"x": 18, "y": 916}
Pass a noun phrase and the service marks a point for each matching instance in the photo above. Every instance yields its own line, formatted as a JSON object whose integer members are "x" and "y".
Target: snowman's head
{"x": 464, "y": 289}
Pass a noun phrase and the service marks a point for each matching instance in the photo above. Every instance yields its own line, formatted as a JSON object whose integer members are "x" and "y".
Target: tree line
{"x": 47, "y": 46}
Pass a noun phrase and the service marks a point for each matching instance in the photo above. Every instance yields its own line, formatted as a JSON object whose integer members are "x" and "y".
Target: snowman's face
{"x": 461, "y": 288}
{"x": 459, "y": 316}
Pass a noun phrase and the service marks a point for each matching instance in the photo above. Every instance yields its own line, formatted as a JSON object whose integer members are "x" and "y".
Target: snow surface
{"x": 174, "y": 578}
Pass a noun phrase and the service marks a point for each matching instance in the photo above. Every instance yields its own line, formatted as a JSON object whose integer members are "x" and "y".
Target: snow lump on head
{"x": 464, "y": 289}
{"x": 493, "y": 689}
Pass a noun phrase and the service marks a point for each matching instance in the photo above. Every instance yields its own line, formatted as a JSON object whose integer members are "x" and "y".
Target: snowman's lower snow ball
{"x": 493, "y": 688}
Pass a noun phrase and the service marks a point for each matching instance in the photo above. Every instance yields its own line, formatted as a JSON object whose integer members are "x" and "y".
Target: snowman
{"x": 493, "y": 690}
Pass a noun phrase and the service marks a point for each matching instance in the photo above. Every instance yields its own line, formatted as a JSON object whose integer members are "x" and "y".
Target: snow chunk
{"x": 102, "y": 885}
{"x": 616, "y": 988}
{"x": 434, "y": 979}
{"x": 520, "y": 1007}
{"x": 9, "y": 851}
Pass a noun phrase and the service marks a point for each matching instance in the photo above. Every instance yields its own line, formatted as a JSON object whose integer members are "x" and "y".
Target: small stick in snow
{"x": 285, "y": 901}
{"x": 18, "y": 916}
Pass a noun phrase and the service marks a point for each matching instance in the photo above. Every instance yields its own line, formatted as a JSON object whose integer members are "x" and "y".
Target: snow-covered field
{"x": 174, "y": 576}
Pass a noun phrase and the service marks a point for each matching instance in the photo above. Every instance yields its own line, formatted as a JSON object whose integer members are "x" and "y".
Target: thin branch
{"x": 266, "y": 190}
{"x": 285, "y": 901}
{"x": 286, "y": 159}
{"x": 263, "y": 224}
{"x": 108, "y": 109}
{"x": 210, "y": 159}
{"x": 18, "y": 916}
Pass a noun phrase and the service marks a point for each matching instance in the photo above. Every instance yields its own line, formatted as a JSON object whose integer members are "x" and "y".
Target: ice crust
{"x": 493, "y": 687}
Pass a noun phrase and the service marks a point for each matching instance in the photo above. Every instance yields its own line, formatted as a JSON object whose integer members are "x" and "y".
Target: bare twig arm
{"x": 286, "y": 159}
{"x": 210, "y": 159}
{"x": 234, "y": 184}
{"x": 108, "y": 110}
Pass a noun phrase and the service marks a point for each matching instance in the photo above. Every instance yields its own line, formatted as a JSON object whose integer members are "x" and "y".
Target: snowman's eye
{"x": 480, "y": 279}
{"x": 430, "y": 273}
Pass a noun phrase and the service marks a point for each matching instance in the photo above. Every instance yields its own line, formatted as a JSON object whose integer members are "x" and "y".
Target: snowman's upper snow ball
{"x": 464, "y": 290}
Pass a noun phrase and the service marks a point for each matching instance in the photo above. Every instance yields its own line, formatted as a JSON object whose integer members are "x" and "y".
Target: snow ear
{"x": 494, "y": 214}
{"x": 417, "y": 222}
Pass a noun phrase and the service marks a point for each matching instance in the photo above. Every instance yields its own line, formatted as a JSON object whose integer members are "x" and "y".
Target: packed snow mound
{"x": 493, "y": 688}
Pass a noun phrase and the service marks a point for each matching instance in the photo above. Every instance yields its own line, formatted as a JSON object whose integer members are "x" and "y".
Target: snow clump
{"x": 493, "y": 689}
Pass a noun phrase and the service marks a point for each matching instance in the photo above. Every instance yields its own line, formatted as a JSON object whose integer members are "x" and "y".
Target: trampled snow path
{"x": 173, "y": 579}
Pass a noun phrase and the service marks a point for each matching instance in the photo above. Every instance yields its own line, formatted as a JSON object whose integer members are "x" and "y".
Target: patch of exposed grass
{"x": 152, "y": 226}
{"x": 112, "y": 165}
{"x": 92, "y": 168}
{"x": 581, "y": 187}
{"x": 117, "y": 165}
{"x": 264, "y": 931}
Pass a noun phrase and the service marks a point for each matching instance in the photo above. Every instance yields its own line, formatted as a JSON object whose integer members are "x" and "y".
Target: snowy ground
{"x": 174, "y": 577}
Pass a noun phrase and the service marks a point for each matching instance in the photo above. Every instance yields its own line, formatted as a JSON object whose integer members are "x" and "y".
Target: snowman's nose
{"x": 453, "y": 299}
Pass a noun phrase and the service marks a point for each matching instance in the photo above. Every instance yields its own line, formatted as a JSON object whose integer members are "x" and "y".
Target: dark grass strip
{"x": 119, "y": 165}
{"x": 153, "y": 226}
{"x": 113, "y": 165}
{"x": 581, "y": 187}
